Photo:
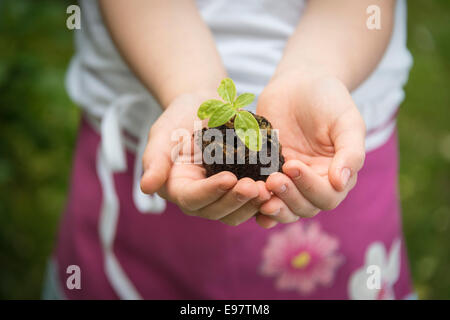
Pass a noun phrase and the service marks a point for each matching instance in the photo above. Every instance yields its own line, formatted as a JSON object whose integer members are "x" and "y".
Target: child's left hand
{"x": 322, "y": 134}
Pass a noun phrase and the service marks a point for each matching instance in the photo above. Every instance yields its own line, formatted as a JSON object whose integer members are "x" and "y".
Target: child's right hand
{"x": 323, "y": 139}
{"x": 219, "y": 197}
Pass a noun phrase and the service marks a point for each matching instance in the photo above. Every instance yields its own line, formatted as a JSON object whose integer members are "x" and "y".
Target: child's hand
{"x": 322, "y": 134}
{"x": 219, "y": 197}
{"x": 157, "y": 161}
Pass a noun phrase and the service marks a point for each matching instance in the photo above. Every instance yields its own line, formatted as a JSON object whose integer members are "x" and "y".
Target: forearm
{"x": 166, "y": 44}
{"x": 332, "y": 39}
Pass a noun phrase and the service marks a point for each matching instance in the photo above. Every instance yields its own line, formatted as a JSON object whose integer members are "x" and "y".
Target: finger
{"x": 265, "y": 221}
{"x": 192, "y": 195}
{"x": 276, "y": 209}
{"x": 249, "y": 209}
{"x": 314, "y": 187}
{"x": 287, "y": 191}
{"x": 264, "y": 194}
{"x": 348, "y": 136}
{"x": 156, "y": 163}
{"x": 244, "y": 190}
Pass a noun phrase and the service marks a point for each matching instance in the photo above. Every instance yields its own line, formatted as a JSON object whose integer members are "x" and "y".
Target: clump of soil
{"x": 243, "y": 168}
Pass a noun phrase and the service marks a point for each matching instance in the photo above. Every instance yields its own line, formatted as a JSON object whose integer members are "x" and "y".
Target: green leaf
{"x": 244, "y": 100}
{"x": 207, "y": 108}
{"x": 247, "y": 129}
{"x": 227, "y": 90}
{"x": 221, "y": 115}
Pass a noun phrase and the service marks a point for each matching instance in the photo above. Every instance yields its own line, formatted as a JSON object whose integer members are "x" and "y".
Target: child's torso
{"x": 250, "y": 36}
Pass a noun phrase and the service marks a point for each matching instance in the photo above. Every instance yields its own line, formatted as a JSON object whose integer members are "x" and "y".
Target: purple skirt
{"x": 356, "y": 251}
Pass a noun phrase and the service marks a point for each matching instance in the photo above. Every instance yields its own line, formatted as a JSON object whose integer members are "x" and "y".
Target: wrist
{"x": 307, "y": 73}
{"x": 200, "y": 95}
{"x": 310, "y": 71}
{"x": 304, "y": 79}
{"x": 203, "y": 90}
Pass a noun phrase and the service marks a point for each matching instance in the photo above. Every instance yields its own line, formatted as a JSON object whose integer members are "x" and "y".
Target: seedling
{"x": 229, "y": 114}
{"x": 220, "y": 112}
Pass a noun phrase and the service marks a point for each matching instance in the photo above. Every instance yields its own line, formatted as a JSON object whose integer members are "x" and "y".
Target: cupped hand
{"x": 219, "y": 197}
{"x": 322, "y": 135}
{"x": 157, "y": 160}
{"x": 177, "y": 179}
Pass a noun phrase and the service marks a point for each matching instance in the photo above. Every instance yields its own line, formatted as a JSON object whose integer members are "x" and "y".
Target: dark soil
{"x": 234, "y": 151}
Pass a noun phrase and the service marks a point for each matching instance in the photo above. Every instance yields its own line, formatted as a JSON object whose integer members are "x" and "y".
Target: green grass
{"x": 425, "y": 148}
{"x": 38, "y": 126}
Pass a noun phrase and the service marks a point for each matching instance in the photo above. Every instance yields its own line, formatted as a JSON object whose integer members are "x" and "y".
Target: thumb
{"x": 156, "y": 163}
{"x": 348, "y": 136}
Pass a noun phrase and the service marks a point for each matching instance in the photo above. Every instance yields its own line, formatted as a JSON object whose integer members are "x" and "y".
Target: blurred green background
{"x": 38, "y": 126}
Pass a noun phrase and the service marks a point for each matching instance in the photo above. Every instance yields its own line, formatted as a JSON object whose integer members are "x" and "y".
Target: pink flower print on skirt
{"x": 301, "y": 257}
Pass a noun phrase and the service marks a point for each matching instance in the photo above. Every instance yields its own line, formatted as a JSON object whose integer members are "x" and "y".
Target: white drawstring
{"x": 111, "y": 158}
{"x": 114, "y": 150}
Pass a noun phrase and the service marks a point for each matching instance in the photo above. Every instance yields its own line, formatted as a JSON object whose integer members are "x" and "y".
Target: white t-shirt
{"x": 250, "y": 36}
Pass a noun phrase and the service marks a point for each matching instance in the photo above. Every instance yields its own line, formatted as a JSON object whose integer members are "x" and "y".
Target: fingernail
{"x": 282, "y": 189}
{"x": 272, "y": 224}
{"x": 345, "y": 175}
{"x": 225, "y": 188}
{"x": 241, "y": 198}
{"x": 294, "y": 173}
